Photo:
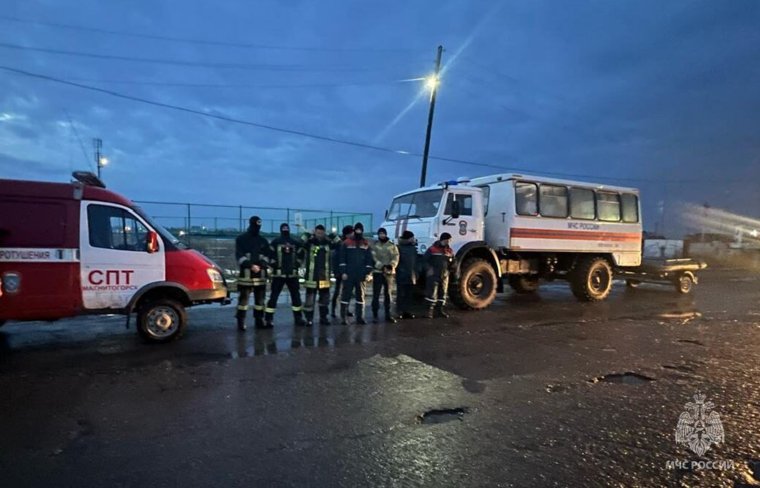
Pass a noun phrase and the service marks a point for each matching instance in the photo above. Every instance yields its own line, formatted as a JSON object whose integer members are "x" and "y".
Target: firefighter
{"x": 285, "y": 252}
{"x": 406, "y": 274}
{"x": 347, "y": 231}
{"x": 316, "y": 257}
{"x": 439, "y": 261}
{"x": 253, "y": 253}
{"x": 355, "y": 266}
{"x": 385, "y": 256}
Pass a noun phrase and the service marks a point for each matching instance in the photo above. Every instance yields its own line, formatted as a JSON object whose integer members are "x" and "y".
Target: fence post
{"x": 287, "y": 218}
{"x": 240, "y": 218}
{"x": 189, "y": 224}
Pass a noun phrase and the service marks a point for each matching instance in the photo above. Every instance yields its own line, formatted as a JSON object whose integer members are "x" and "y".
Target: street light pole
{"x": 98, "y": 145}
{"x": 433, "y": 84}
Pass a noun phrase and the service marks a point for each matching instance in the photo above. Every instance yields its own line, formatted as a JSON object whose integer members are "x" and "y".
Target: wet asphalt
{"x": 535, "y": 391}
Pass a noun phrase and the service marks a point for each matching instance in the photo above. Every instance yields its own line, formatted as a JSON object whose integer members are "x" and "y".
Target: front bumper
{"x": 210, "y": 296}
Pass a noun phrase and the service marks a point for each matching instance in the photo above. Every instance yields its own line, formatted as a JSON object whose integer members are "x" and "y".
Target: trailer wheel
{"x": 476, "y": 288}
{"x": 524, "y": 284}
{"x": 161, "y": 320}
{"x": 592, "y": 279}
{"x": 684, "y": 284}
{"x": 632, "y": 283}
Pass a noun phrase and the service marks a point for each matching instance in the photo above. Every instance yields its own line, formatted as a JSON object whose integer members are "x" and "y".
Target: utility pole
{"x": 100, "y": 160}
{"x": 433, "y": 85}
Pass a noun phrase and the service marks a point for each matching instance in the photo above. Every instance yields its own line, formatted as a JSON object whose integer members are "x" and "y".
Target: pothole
{"x": 690, "y": 341}
{"x": 627, "y": 378}
{"x": 442, "y": 416}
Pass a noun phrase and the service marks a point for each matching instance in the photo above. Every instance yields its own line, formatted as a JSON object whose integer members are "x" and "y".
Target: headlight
{"x": 214, "y": 275}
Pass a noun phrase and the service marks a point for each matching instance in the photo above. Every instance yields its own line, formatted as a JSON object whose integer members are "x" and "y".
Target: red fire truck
{"x": 76, "y": 248}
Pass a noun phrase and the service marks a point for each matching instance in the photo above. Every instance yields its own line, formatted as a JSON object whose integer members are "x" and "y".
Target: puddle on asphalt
{"x": 627, "y": 378}
{"x": 442, "y": 416}
{"x": 285, "y": 340}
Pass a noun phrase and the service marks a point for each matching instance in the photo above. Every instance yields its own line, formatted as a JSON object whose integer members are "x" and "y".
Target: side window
{"x": 630, "y": 208}
{"x": 582, "y": 204}
{"x": 553, "y": 201}
{"x": 114, "y": 228}
{"x": 465, "y": 204}
{"x": 526, "y": 198}
{"x": 608, "y": 206}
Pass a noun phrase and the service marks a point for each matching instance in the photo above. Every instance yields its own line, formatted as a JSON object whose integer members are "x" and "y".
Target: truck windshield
{"x": 165, "y": 234}
{"x": 416, "y": 205}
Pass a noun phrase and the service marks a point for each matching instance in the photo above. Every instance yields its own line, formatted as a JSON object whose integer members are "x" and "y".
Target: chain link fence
{"x": 211, "y": 229}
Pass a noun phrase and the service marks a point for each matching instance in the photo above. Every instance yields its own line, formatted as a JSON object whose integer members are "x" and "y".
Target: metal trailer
{"x": 680, "y": 273}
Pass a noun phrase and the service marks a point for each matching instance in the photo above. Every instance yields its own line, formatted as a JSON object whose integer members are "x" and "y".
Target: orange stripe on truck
{"x": 576, "y": 235}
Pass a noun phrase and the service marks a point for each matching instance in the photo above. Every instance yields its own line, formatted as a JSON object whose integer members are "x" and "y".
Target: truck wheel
{"x": 684, "y": 284}
{"x": 476, "y": 288}
{"x": 161, "y": 320}
{"x": 592, "y": 279}
{"x": 524, "y": 284}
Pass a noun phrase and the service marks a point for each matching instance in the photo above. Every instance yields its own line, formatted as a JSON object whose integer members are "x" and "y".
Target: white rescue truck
{"x": 521, "y": 229}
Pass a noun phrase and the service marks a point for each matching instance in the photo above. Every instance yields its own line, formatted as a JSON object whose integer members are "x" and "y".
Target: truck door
{"x": 115, "y": 260}
{"x": 468, "y": 226}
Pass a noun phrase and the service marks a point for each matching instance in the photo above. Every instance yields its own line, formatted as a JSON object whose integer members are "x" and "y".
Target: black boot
{"x": 269, "y": 320}
{"x": 389, "y": 316}
{"x": 439, "y": 311}
{"x": 374, "y": 316}
{"x": 431, "y": 312}
{"x": 309, "y": 317}
{"x": 332, "y": 311}
{"x": 323, "y": 320}
{"x": 258, "y": 319}
{"x": 298, "y": 319}
{"x": 240, "y": 316}
{"x": 343, "y": 313}
{"x": 359, "y": 311}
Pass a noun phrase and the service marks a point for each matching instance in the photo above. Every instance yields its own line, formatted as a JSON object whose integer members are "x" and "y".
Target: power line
{"x": 76, "y": 133}
{"x": 337, "y": 140}
{"x": 176, "y": 62}
{"x": 207, "y": 42}
{"x": 243, "y": 85}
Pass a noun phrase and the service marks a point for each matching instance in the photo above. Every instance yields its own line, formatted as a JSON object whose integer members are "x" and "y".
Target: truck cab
{"x": 449, "y": 207}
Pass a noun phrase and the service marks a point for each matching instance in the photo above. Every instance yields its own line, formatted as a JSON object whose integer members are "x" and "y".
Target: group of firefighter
{"x": 351, "y": 259}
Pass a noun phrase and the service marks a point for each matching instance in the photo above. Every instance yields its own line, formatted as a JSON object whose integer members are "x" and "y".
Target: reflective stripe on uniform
{"x": 269, "y": 310}
{"x": 243, "y": 307}
{"x": 258, "y": 307}
{"x": 297, "y": 309}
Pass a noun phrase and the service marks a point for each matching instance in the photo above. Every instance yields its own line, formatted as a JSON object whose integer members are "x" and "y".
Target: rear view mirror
{"x": 152, "y": 242}
{"x": 455, "y": 209}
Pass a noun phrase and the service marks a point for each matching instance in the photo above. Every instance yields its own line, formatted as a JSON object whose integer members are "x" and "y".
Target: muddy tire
{"x": 161, "y": 320}
{"x": 684, "y": 284}
{"x": 591, "y": 281}
{"x": 2, "y": 323}
{"x": 476, "y": 288}
{"x": 632, "y": 283}
{"x": 524, "y": 284}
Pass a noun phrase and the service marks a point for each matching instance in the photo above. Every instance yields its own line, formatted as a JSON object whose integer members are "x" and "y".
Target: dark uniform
{"x": 406, "y": 274}
{"x": 252, "y": 250}
{"x": 285, "y": 251}
{"x": 439, "y": 261}
{"x": 385, "y": 257}
{"x": 316, "y": 259}
{"x": 347, "y": 231}
{"x": 355, "y": 263}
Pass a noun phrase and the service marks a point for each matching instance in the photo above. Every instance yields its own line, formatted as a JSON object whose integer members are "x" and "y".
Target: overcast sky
{"x": 648, "y": 93}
